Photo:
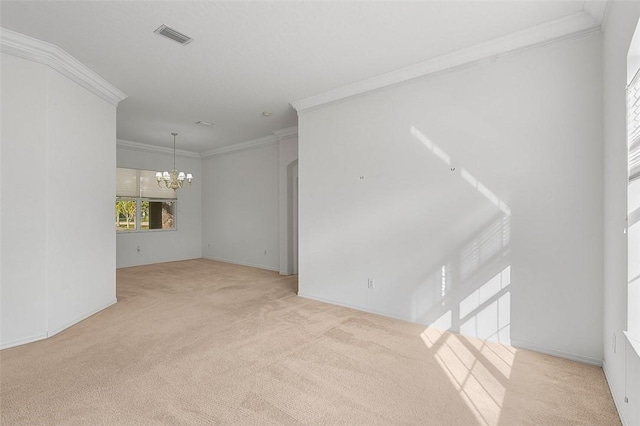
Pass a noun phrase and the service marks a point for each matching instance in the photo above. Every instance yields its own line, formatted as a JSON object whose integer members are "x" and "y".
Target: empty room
{"x": 318, "y": 212}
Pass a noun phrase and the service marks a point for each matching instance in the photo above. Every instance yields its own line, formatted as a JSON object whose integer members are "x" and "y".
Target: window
{"x": 633, "y": 127}
{"x": 126, "y": 216}
{"x": 633, "y": 203}
{"x": 142, "y": 205}
{"x": 157, "y": 214}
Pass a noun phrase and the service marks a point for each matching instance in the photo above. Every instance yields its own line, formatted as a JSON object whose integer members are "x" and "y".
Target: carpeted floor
{"x": 204, "y": 342}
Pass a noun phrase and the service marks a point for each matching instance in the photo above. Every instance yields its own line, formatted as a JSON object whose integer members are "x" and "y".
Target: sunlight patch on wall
{"x": 492, "y": 241}
{"x": 488, "y": 194}
{"x": 433, "y": 291}
{"x": 439, "y": 152}
{"x": 466, "y": 175}
{"x": 485, "y": 292}
{"x": 486, "y": 313}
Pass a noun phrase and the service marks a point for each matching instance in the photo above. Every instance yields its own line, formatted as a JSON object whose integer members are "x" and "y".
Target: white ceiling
{"x": 249, "y": 57}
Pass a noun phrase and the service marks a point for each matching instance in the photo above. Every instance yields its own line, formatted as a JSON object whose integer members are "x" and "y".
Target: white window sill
{"x": 634, "y": 341}
{"x": 144, "y": 231}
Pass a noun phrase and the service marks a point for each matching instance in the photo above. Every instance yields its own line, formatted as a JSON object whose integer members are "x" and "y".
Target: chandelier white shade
{"x": 174, "y": 179}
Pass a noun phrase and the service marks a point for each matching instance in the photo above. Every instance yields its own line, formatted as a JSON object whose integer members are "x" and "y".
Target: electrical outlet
{"x": 370, "y": 283}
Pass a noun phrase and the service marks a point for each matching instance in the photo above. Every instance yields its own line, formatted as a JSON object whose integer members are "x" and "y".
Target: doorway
{"x": 292, "y": 216}
{"x": 294, "y": 219}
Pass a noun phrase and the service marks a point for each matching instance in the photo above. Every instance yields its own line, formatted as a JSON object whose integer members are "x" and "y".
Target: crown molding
{"x": 572, "y": 26}
{"x": 242, "y": 146}
{"x": 286, "y": 133}
{"x": 25, "y": 47}
{"x": 143, "y": 147}
{"x": 597, "y": 9}
{"x": 277, "y": 136}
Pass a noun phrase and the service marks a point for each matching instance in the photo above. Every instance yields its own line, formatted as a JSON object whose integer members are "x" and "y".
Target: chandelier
{"x": 173, "y": 180}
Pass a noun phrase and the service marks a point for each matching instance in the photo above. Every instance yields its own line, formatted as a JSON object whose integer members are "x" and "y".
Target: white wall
{"x": 23, "y": 269}
{"x": 240, "y": 207}
{"x": 508, "y": 246}
{"x": 155, "y": 247}
{"x": 81, "y": 131}
{"x": 58, "y": 244}
{"x": 621, "y": 363}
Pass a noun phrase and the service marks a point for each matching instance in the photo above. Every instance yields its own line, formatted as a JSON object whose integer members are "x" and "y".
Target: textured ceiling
{"x": 249, "y": 57}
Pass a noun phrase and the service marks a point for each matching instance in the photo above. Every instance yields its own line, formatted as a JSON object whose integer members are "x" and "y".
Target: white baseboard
{"x": 23, "y": 341}
{"x": 358, "y": 308}
{"x": 154, "y": 262}
{"x": 82, "y": 317}
{"x": 235, "y": 262}
{"x": 514, "y": 343}
{"x": 35, "y": 338}
{"x": 560, "y": 354}
{"x": 616, "y": 398}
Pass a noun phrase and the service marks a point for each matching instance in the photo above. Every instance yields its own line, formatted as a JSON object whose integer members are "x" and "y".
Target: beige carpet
{"x": 204, "y": 342}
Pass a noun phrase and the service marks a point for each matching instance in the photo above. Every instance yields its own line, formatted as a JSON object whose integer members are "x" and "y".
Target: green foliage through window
{"x": 125, "y": 215}
{"x": 153, "y": 214}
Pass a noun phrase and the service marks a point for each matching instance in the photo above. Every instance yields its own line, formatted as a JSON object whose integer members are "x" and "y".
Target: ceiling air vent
{"x": 174, "y": 35}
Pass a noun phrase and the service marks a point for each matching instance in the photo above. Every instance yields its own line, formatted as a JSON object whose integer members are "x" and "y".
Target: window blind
{"x": 127, "y": 183}
{"x": 149, "y": 186}
{"x": 140, "y": 183}
{"x": 633, "y": 126}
